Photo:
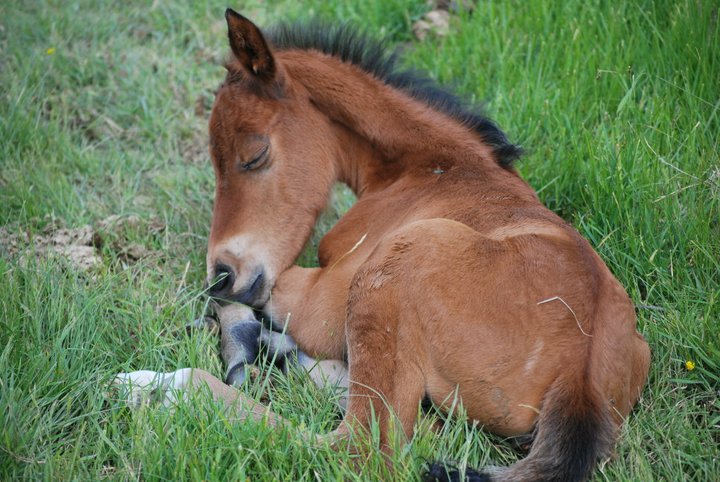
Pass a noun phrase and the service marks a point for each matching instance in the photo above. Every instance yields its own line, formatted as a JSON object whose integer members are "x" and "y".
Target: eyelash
{"x": 256, "y": 160}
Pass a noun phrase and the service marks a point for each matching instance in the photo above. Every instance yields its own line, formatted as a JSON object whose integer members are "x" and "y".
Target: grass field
{"x": 103, "y": 111}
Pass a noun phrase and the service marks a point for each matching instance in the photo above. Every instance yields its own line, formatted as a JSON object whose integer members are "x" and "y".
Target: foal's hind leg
{"x": 389, "y": 329}
{"x": 387, "y": 382}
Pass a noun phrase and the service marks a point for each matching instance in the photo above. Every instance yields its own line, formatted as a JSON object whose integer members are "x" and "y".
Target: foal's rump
{"x": 492, "y": 318}
{"x": 517, "y": 324}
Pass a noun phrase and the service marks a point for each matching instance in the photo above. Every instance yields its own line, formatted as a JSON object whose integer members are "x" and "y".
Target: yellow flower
{"x": 50, "y": 51}
{"x": 690, "y": 365}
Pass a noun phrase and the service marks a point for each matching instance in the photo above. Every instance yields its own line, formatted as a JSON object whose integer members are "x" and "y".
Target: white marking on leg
{"x": 143, "y": 387}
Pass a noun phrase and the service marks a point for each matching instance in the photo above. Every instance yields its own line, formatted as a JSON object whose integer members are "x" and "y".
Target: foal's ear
{"x": 249, "y": 46}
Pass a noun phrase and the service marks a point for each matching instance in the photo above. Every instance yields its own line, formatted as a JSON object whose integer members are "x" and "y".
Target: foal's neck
{"x": 383, "y": 133}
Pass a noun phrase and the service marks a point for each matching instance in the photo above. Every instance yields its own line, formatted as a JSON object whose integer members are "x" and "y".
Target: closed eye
{"x": 257, "y": 160}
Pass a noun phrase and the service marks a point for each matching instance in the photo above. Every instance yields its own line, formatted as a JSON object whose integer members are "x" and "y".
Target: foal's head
{"x": 273, "y": 160}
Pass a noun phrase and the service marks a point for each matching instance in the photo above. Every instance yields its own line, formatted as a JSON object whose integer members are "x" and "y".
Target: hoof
{"x": 236, "y": 375}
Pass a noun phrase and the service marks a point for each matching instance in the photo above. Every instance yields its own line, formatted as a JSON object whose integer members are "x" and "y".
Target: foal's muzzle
{"x": 224, "y": 281}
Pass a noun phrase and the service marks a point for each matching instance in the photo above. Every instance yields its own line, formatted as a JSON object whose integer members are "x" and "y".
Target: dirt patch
{"x": 76, "y": 245}
{"x": 81, "y": 246}
{"x": 437, "y": 21}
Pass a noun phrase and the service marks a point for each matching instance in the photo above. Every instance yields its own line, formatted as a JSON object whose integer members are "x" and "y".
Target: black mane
{"x": 377, "y": 58}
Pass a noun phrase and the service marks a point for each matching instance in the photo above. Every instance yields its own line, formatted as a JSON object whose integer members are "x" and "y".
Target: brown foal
{"x": 447, "y": 278}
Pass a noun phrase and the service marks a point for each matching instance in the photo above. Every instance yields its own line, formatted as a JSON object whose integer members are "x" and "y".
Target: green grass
{"x": 617, "y": 104}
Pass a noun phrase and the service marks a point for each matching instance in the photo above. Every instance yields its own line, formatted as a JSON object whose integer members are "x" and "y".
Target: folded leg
{"x": 243, "y": 337}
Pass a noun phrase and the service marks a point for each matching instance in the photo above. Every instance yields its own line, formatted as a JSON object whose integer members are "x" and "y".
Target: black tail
{"x": 573, "y": 431}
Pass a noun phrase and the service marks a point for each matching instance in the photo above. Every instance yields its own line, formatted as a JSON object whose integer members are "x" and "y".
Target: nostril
{"x": 224, "y": 278}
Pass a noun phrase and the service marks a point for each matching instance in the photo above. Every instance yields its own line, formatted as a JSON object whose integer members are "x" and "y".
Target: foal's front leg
{"x": 239, "y": 340}
{"x": 242, "y": 338}
{"x": 144, "y": 387}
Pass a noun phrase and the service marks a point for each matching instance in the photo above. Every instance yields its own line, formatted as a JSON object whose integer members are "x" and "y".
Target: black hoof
{"x": 236, "y": 375}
